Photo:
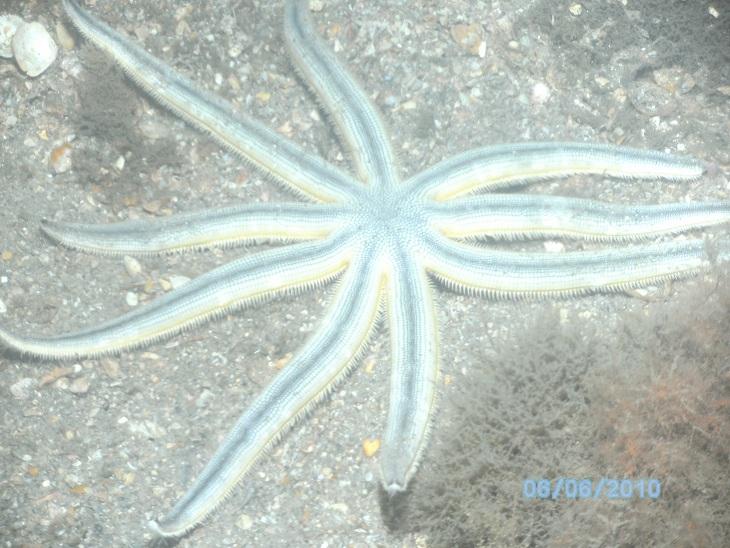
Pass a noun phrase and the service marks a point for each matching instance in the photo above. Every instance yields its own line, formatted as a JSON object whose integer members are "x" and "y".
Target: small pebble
{"x": 340, "y": 507}
{"x": 55, "y": 374}
{"x": 551, "y": 246}
{"x": 576, "y": 9}
{"x": 65, "y": 38}
{"x": 370, "y": 446}
{"x": 244, "y": 522}
{"x": 9, "y": 25}
{"x": 110, "y": 367}
{"x": 153, "y": 206}
{"x": 21, "y": 390}
{"x": 674, "y": 80}
{"x": 119, "y": 164}
{"x": 650, "y": 99}
{"x": 712, "y": 10}
{"x": 34, "y": 49}
{"x": 205, "y": 397}
{"x": 131, "y": 298}
{"x": 60, "y": 159}
{"x": 79, "y": 386}
{"x": 147, "y": 429}
{"x": 235, "y": 50}
{"x": 132, "y": 266}
{"x": 177, "y": 280}
{"x": 540, "y": 93}
{"x": 3, "y": 308}
{"x": 469, "y": 37}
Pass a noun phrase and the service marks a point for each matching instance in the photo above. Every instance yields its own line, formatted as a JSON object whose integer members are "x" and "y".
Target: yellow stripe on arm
{"x": 497, "y": 167}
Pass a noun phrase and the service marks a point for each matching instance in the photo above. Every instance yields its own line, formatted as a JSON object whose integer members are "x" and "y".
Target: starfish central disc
{"x": 392, "y": 218}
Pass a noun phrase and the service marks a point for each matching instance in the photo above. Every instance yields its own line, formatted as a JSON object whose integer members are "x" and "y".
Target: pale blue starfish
{"x": 383, "y": 237}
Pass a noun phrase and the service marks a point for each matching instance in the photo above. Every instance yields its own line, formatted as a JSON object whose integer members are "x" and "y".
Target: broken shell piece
{"x": 8, "y": 27}
{"x": 34, "y": 49}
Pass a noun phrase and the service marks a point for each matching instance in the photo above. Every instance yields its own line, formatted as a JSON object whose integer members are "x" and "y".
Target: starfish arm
{"x": 356, "y": 117}
{"x": 328, "y": 355}
{"x": 413, "y": 387}
{"x": 234, "y": 285}
{"x": 267, "y": 150}
{"x": 224, "y": 227}
{"x": 515, "y": 216}
{"x": 526, "y": 274}
{"x": 498, "y": 167}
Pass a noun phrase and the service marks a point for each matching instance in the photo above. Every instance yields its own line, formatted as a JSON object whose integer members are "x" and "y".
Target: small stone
{"x": 601, "y": 81}
{"x": 62, "y": 383}
{"x": 370, "y": 446}
{"x": 34, "y": 49}
{"x": 147, "y": 428}
{"x": 152, "y": 206}
{"x": 340, "y": 507}
{"x": 540, "y": 93}
{"x": 205, "y": 397}
{"x": 22, "y": 389}
{"x": 552, "y": 246}
{"x": 576, "y": 9}
{"x": 3, "y": 307}
{"x": 712, "y": 10}
{"x": 263, "y": 96}
{"x": 281, "y": 362}
{"x": 482, "y": 51}
{"x": 316, "y": 5}
{"x": 244, "y": 521}
{"x": 119, "y": 163}
{"x": 370, "y": 365}
{"x": 131, "y": 298}
{"x": 55, "y": 374}
{"x": 650, "y": 99}
{"x": 110, "y": 367}
{"x": 79, "y": 386}
{"x": 235, "y": 50}
{"x": 469, "y": 37}
{"x": 9, "y": 25}
{"x": 674, "y": 80}
{"x": 132, "y": 266}
{"x": 79, "y": 489}
{"x": 177, "y": 280}
{"x": 60, "y": 159}
{"x": 6, "y": 255}
{"x": 65, "y": 38}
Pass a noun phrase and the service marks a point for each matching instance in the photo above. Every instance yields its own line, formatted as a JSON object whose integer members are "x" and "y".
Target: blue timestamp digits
{"x": 584, "y": 489}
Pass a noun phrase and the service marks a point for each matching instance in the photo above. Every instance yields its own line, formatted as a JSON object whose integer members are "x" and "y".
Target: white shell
{"x": 34, "y": 49}
{"x": 8, "y": 27}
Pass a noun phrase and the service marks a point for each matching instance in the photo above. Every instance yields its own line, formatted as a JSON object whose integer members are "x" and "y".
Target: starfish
{"x": 388, "y": 240}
